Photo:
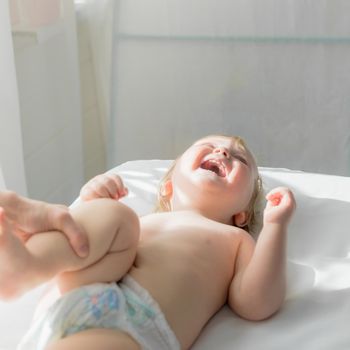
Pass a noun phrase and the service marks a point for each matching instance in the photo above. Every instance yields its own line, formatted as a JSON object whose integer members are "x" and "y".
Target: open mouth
{"x": 215, "y": 166}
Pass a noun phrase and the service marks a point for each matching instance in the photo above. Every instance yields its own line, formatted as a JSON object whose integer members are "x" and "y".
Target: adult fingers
{"x": 60, "y": 218}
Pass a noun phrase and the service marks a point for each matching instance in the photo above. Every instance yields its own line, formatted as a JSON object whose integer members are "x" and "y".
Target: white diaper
{"x": 125, "y": 306}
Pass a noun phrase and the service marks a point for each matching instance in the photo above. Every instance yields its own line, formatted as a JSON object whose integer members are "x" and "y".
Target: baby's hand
{"x": 280, "y": 206}
{"x": 104, "y": 186}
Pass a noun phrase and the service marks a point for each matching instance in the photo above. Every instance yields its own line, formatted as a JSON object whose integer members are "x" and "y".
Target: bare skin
{"x": 187, "y": 264}
{"x": 30, "y": 216}
{"x": 191, "y": 260}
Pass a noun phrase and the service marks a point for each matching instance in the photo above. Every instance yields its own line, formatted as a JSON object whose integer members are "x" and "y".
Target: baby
{"x": 174, "y": 269}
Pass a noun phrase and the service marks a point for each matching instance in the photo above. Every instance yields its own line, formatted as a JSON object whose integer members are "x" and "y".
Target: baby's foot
{"x": 14, "y": 259}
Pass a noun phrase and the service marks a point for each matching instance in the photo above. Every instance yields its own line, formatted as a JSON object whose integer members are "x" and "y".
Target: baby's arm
{"x": 258, "y": 287}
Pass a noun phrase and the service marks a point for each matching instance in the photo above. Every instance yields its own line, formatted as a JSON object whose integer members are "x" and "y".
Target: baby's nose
{"x": 223, "y": 151}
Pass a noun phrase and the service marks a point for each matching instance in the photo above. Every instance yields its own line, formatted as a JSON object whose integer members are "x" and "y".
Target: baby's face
{"x": 216, "y": 169}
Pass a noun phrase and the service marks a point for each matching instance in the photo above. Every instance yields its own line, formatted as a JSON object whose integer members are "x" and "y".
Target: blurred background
{"x": 87, "y": 85}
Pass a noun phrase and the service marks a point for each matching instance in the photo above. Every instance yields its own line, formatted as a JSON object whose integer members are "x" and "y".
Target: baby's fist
{"x": 106, "y": 185}
{"x": 280, "y": 206}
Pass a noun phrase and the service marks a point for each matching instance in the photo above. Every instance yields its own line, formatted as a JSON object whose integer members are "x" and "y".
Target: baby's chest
{"x": 194, "y": 239}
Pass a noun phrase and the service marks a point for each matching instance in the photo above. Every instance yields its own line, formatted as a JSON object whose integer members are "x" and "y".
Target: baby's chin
{"x": 208, "y": 182}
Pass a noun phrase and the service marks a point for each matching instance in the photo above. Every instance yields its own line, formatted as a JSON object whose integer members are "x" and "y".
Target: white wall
{"x": 274, "y": 72}
{"x": 11, "y": 155}
{"x": 49, "y": 92}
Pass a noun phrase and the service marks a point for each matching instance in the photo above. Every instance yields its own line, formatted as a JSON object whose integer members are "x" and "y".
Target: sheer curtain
{"x": 274, "y": 72}
{"x": 100, "y": 15}
{"x": 11, "y": 153}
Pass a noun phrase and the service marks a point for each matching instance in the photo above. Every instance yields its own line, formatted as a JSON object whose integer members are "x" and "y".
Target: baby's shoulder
{"x": 243, "y": 237}
{"x": 154, "y": 218}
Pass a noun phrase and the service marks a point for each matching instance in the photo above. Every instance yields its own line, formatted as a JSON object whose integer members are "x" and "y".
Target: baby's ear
{"x": 167, "y": 189}
{"x": 240, "y": 219}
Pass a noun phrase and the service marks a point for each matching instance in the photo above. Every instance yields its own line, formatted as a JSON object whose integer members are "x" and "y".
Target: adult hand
{"x": 30, "y": 216}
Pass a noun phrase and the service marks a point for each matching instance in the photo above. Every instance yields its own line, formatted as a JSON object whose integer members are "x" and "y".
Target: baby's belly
{"x": 190, "y": 288}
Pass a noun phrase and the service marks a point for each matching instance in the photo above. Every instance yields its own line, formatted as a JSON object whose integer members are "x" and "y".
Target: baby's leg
{"x": 96, "y": 339}
{"x": 112, "y": 229}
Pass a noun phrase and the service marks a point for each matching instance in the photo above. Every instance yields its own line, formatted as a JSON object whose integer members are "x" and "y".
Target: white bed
{"x": 316, "y": 314}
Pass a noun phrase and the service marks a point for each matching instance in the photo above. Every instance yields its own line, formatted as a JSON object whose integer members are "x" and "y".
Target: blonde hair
{"x": 254, "y": 210}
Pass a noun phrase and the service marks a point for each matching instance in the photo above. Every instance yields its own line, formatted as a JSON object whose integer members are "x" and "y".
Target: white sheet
{"x": 316, "y": 314}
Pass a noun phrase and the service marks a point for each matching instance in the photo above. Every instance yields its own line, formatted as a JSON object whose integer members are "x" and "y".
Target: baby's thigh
{"x": 96, "y": 339}
{"x": 113, "y": 233}
{"x": 103, "y": 217}
{"x": 110, "y": 225}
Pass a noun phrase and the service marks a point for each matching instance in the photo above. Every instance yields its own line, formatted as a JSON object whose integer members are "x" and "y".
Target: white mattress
{"x": 316, "y": 314}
